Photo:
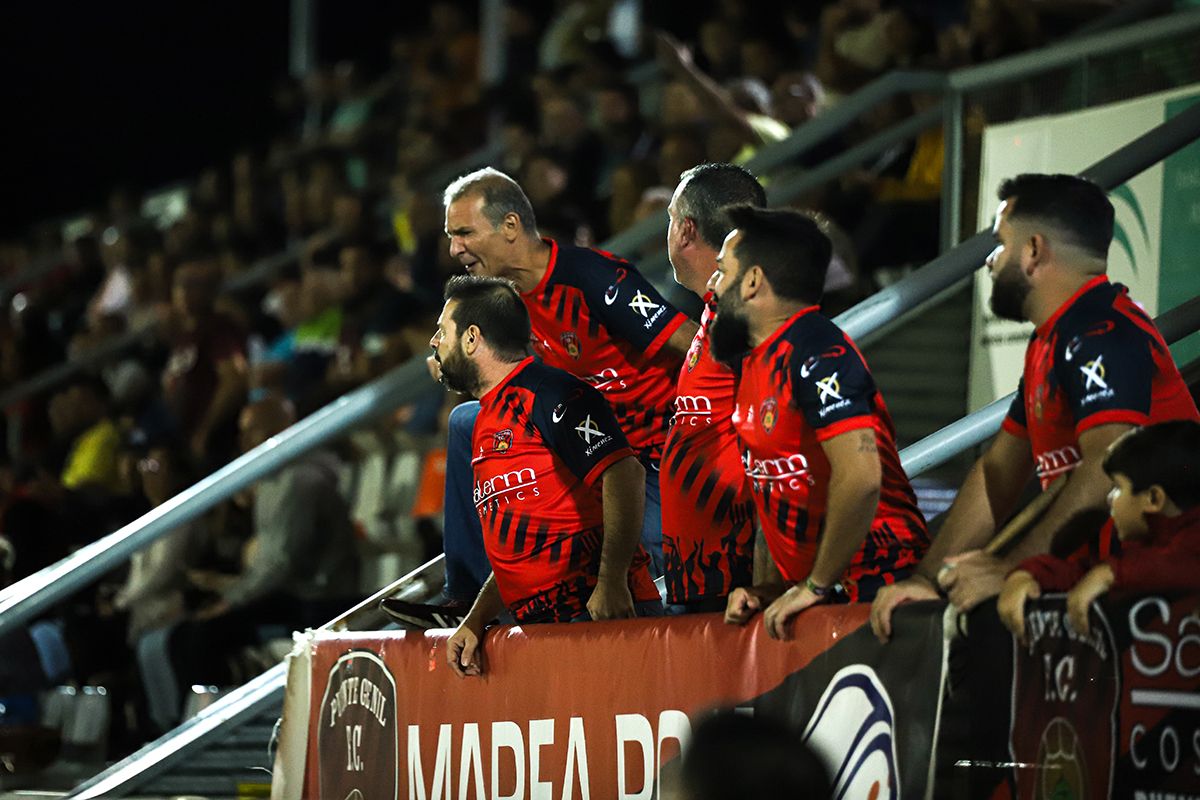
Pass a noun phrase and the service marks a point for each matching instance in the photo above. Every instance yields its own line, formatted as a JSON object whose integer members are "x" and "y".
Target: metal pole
{"x": 952, "y": 169}
{"x": 302, "y": 51}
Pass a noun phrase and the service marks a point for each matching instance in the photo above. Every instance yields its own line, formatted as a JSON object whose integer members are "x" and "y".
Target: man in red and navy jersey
{"x": 1095, "y": 367}
{"x": 835, "y": 507}
{"x": 708, "y": 514}
{"x": 592, "y": 314}
{"x": 556, "y": 485}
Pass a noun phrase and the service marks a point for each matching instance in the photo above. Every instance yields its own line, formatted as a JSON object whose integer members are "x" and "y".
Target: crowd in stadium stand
{"x": 353, "y": 185}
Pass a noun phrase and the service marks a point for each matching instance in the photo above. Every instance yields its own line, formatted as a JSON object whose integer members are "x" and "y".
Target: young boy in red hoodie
{"x": 1155, "y": 507}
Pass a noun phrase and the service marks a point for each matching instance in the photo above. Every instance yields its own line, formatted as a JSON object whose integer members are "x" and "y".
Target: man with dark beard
{"x": 1095, "y": 367}
{"x": 558, "y": 489}
{"x": 835, "y": 507}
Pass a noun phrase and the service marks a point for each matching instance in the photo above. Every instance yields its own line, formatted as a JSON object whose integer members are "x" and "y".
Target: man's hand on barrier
{"x": 611, "y": 601}
{"x": 746, "y": 601}
{"x": 908, "y": 590}
{"x": 1019, "y": 587}
{"x": 464, "y": 650}
{"x": 777, "y": 619}
{"x": 972, "y": 577}
{"x": 1098, "y": 581}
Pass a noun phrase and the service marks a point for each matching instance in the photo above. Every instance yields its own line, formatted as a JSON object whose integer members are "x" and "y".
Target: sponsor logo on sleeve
{"x": 829, "y": 392}
{"x": 592, "y": 436}
{"x": 1095, "y": 382}
{"x": 649, "y": 309}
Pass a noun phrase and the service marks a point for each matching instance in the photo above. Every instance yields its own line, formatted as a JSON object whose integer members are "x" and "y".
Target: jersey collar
{"x": 541, "y": 287}
{"x": 783, "y": 328}
{"x": 1046, "y": 326}
{"x": 495, "y": 390}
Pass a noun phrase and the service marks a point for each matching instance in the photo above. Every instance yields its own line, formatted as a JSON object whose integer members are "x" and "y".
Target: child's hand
{"x": 1079, "y": 600}
{"x": 1017, "y": 588}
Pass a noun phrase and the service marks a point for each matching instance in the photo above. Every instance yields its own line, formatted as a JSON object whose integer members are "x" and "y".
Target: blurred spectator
{"x": 204, "y": 381}
{"x": 153, "y": 593}
{"x": 80, "y": 415}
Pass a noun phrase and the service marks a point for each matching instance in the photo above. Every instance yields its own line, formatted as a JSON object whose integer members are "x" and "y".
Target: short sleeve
{"x": 1014, "y": 421}
{"x": 579, "y": 427}
{"x": 833, "y": 389}
{"x": 628, "y": 306}
{"x": 1107, "y": 374}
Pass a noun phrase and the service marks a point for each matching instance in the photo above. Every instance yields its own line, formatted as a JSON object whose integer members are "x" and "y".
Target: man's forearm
{"x": 851, "y": 509}
{"x": 227, "y": 400}
{"x": 487, "y": 605}
{"x": 624, "y": 495}
{"x": 987, "y": 497}
{"x": 1082, "y": 501}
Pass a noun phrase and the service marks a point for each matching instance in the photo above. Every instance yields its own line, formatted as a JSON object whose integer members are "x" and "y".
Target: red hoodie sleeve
{"x": 1054, "y": 574}
{"x": 1173, "y": 566}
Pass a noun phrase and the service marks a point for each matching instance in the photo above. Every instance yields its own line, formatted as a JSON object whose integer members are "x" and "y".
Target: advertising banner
{"x": 1115, "y": 713}
{"x": 602, "y": 710}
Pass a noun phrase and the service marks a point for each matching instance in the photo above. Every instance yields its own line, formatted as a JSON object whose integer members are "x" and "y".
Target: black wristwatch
{"x": 825, "y": 593}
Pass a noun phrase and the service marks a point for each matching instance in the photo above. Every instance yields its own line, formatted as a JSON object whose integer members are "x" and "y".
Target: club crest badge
{"x": 502, "y": 440}
{"x": 693, "y": 356}
{"x": 570, "y": 343}
{"x": 768, "y": 414}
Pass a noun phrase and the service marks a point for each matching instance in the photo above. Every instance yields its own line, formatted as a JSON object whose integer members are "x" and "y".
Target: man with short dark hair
{"x": 708, "y": 514}
{"x": 1095, "y": 367}
{"x": 836, "y": 509}
{"x": 592, "y": 314}
{"x": 557, "y": 487}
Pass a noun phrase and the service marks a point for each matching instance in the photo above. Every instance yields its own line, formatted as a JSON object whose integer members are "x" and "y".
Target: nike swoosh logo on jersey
{"x": 610, "y": 299}
{"x": 557, "y": 417}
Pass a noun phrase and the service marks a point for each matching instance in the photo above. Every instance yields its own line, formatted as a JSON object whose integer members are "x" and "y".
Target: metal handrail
{"x": 975, "y": 429}
{"x": 1024, "y": 65}
{"x": 947, "y": 269}
{"x": 30, "y": 596}
{"x": 249, "y": 701}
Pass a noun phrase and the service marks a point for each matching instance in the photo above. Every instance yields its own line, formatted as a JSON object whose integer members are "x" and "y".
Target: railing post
{"x": 952, "y": 168}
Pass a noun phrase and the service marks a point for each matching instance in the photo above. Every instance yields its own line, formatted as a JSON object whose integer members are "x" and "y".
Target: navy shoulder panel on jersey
{"x": 616, "y": 294}
{"x": 574, "y": 419}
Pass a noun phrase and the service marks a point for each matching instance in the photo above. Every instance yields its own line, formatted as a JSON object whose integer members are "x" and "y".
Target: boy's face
{"x": 1128, "y": 508}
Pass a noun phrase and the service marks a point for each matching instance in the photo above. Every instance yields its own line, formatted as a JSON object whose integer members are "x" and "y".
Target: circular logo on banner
{"x": 1060, "y": 763}
{"x": 357, "y": 742}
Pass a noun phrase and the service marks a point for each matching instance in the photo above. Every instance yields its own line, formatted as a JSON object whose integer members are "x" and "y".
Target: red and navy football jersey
{"x": 708, "y": 514}
{"x": 541, "y": 442}
{"x": 806, "y": 384}
{"x": 596, "y": 317}
{"x": 1097, "y": 360}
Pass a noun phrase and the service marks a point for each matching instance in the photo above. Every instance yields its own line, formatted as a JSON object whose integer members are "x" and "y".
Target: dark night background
{"x": 140, "y": 94}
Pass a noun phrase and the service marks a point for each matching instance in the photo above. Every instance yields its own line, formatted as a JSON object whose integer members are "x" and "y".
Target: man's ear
{"x": 1037, "y": 250}
{"x": 511, "y": 226}
{"x": 472, "y": 340}
{"x": 688, "y": 231}
{"x": 752, "y": 282}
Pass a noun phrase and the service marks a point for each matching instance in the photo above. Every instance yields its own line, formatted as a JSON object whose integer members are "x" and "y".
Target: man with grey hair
{"x": 593, "y": 315}
{"x": 708, "y": 512}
